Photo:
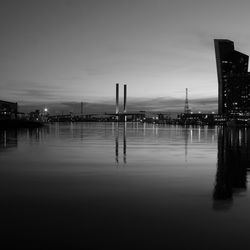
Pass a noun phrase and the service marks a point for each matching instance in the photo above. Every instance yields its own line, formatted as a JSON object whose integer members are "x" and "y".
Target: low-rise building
{"x": 8, "y": 110}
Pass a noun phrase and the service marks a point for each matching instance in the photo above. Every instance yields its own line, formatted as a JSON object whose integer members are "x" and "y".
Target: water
{"x": 97, "y": 185}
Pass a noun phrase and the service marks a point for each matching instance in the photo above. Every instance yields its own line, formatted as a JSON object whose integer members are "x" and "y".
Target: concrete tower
{"x": 186, "y": 108}
{"x": 117, "y": 99}
{"x": 125, "y": 102}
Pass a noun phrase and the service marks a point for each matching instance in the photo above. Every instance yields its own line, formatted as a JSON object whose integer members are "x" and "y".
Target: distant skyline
{"x": 59, "y": 51}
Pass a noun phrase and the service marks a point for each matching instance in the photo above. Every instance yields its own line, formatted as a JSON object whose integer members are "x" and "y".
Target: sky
{"x": 59, "y": 52}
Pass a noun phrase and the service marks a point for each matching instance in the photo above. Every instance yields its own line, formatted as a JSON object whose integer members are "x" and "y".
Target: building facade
{"x": 8, "y": 110}
{"x": 233, "y": 79}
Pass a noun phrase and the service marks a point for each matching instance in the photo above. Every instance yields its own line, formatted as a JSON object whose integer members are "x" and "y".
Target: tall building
{"x": 233, "y": 79}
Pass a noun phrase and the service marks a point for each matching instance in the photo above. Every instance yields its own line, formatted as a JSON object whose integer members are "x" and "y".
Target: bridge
{"x": 110, "y": 116}
{"x": 105, "y": 115}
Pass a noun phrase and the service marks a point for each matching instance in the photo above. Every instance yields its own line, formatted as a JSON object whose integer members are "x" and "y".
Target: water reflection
{"x": 117, "y": 145}
{"x": 233, "y": 164}
{"x": 8, "y": 139}
{"x": 117, "y": 131}
{"x": 186, "y": 135}
{"x": 124, "y": 144}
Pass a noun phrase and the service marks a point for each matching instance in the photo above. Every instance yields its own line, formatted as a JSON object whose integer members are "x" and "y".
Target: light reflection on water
{"x": 150, "y": 182}
{"x": 233, "y": 165}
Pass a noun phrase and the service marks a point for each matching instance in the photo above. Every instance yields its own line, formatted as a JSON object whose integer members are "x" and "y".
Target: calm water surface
{"x": 97, "y": 185}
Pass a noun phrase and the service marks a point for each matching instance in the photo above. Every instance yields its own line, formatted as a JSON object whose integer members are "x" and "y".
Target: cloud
{"x": 32, "y": 91}
{"x": 174, "y": 104}
{"x": 134, "y": 105}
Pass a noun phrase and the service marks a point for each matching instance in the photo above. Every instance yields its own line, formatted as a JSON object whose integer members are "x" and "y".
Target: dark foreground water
{"x": 112, "y": 186}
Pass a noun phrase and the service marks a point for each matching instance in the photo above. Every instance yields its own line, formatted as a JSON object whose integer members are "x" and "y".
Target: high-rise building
{"x": 233, "y": 79}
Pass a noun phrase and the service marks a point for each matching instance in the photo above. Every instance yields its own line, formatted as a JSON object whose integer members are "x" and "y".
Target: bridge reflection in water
{"x": 117, "y": 143}
{"x": 232, "y": 166}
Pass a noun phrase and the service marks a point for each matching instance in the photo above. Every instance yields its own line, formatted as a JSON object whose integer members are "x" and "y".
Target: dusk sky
{"x": 76, "y": 50}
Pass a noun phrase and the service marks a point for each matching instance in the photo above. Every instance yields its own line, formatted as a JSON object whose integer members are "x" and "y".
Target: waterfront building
{"x": 233, "y": 79}
{"x": 8, "y": 110}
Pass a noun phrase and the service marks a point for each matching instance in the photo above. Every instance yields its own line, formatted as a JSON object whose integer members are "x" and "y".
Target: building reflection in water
{"x": 8, "y": 139}
{"x": 117, "y": 131}
{"x": 232, "y": 165}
